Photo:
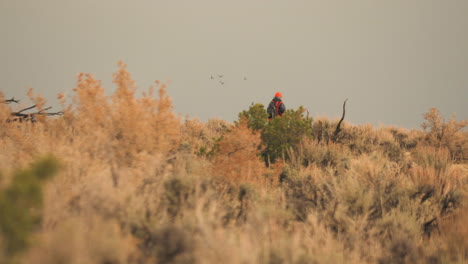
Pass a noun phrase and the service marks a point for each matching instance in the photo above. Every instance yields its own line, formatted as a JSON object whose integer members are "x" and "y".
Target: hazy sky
{"x": 393, "y": 59}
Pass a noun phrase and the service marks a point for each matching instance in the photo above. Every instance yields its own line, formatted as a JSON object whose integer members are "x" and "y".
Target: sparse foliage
{"x": 449, "y": 134}
{"x": 237, "y": 156}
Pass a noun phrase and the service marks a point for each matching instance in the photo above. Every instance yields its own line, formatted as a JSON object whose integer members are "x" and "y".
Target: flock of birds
{"x": 220, "y": 79}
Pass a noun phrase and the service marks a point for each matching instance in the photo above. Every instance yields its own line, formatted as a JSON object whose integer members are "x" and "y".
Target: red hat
{"x": 278, "y": 94}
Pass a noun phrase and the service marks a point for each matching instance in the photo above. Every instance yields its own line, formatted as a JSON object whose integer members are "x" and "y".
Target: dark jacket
{"x": 276, "y": 108}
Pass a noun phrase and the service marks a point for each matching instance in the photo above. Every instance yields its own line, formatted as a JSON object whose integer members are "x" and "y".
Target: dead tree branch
{"x": 20, "y": 116}
{"x": 9, "y": 101}
{"x": 25, "y": 109}
{"x": 338, "y": 129}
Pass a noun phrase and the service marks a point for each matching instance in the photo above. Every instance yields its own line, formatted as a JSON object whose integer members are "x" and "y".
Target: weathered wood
{"x": 338, "y": 129}
{"x": 20, "y": 116}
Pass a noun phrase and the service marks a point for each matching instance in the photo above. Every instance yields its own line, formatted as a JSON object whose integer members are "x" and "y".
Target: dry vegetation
{"x": 137, "y": 184}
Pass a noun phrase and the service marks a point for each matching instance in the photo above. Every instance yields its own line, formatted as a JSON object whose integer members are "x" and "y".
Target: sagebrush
{"x": 139, "y": 184}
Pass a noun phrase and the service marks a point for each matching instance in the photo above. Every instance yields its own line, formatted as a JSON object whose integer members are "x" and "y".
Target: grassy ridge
{"x": 139, "y": 185}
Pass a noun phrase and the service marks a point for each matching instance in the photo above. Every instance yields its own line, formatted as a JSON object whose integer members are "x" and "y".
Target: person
{"x": 276, "y": 106}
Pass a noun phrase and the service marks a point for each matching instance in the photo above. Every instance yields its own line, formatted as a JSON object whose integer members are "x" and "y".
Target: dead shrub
{"x": 304, "y": 195}
{"x": 360, "y": 139}
{"x": 407, "y": 140}
{"x": 129, "y": 127}
{"x": 447, "y": 134}
{"x": 177, "y": 194}
{"x": 170, "y": 244}
{"x": 392, "y": 150}
{"x": 322, "y": 129}
{"x": 398, "y": 235}
{"x": 142, "y": 125}
{"x": 326, "y": 156}
{"x": 430, "y": 166}
{"x": 453, "y": 237}
{"x": 87, "y": 239}
{"x": 201, "y": 139}
{"x": 237, "y": 157}
{"x": 239, "y": 203}
{"x": 90, "y": 107}
{"x": 5, "y": 110}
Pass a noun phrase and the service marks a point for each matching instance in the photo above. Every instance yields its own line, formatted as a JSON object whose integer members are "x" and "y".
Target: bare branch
{"x": 22, "y": 110}
{"x": 338, "y": 129}
{"x": 49, "y": 114}
{"x": 31, "y": 117}
{"x": 9, "y": 101}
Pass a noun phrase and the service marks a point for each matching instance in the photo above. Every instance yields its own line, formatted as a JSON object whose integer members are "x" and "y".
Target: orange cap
{"x": 278, "y": 94}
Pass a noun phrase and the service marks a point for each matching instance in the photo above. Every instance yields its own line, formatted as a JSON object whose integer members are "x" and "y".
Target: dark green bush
{"x": 284, "y": 133}
{"x": 21, "y": 204}
{"x": 279, "y": 134}
{"x": 257, "y": 117}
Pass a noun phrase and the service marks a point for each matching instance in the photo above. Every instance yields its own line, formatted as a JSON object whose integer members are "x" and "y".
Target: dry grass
{"x": 138, "y": 185}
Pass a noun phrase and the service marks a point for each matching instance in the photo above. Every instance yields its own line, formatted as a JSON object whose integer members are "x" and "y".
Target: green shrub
{"x": 21, "y": 204}
{"x": 280, "y": 134}
{"x": 257, "y": 117}
{"x": 284, "y": 133}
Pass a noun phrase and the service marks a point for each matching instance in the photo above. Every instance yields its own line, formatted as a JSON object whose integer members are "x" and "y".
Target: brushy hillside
{"x": 123, "y": 179}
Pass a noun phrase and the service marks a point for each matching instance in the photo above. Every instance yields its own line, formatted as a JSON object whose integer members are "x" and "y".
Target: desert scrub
{"x": 202, "y": 138}
{"x": 323, "y": 130}
{"x": 324, "y": 155}
{"x": 364, "y": 139}
{"x": 448, "y": 134}
{"x": 123, "y": 127}
{"x": 406, "y": 139}
{"x": 146, "y": 188}
{"x": 178, "y": 193}
{"x": 305, "y": 194}
{"x": 236, "y": 158}
{"x": 169, "y": 243}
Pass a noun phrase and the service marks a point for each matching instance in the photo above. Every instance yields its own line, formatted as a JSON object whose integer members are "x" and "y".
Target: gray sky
{"x": 392, "y": 59}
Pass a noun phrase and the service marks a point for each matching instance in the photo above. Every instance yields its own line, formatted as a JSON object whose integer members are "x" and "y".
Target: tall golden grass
{"x": 138, "y": 184}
